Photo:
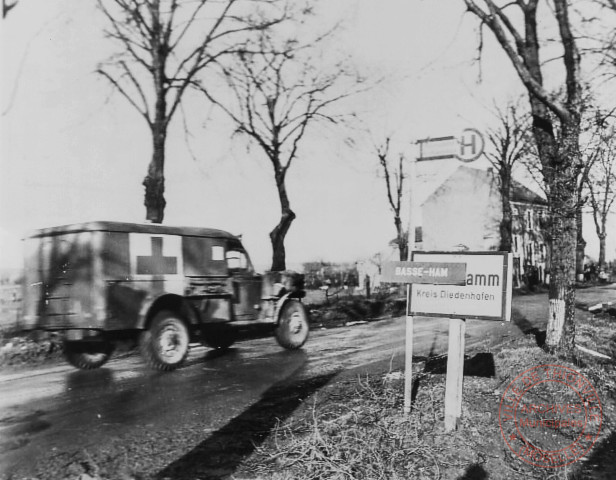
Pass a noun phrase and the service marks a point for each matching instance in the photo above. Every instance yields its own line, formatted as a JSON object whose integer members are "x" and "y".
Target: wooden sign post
{"x": 427, "y": 273}
{"x": 455, "y": 373}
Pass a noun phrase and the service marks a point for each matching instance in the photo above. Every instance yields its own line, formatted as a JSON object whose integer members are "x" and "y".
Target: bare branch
{"x": 7, "y": 7}
{"x": 125, "y": 94}
{"x": 493, "y": 19}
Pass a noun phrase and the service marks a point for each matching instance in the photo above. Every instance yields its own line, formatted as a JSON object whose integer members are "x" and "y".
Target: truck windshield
{"x": 237, "y": 260}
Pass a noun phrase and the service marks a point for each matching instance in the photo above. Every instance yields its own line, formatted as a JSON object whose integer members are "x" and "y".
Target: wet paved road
{"x": 163, "y": 423}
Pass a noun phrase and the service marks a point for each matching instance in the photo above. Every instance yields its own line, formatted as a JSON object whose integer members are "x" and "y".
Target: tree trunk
{"x": 506, "y": 222}
{"x": 602, "y": 238}
{"x": 562, "y": 176}
{"x": 154, "y": 182}
{"x": 278, "y": 234}
{"x": 402, "y": 240}
{"x": 403, "y": 246}
{"x": 581, "y": 244}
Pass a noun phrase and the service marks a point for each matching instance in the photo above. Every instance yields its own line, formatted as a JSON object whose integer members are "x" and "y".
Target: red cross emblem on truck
{"x": 157, "y": 263}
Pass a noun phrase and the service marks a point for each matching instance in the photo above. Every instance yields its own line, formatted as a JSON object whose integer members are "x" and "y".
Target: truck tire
{"x": 164, "y": 345}
{"x": 219, "y": 337}
{"x": 87, "y": 355}
{"x": 292, "y": 329}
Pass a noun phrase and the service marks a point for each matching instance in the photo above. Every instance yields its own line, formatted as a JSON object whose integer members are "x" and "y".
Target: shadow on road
{"x": 528, "y": 328}
{"x": 222, "y": 452}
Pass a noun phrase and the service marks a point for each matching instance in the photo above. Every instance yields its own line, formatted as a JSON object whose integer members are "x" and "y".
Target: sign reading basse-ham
{"x": 437, "y": 273}
{"x": 485, "y": 293}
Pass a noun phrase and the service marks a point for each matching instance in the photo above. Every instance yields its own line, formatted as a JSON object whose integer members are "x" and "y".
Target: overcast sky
{"x": 73, "y": 152}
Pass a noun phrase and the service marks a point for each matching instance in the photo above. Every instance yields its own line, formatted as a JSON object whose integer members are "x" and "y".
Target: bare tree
{"x": 602, "y": 187}
{"x": 395, "y": 191}
{"x": 7, "y": 6}
{"x": 278, "y": 92}
{"x": 507, "y": 144}
{"x": 514, "y": 24}
{"x": 580, "y": 249}
{"x": 588, "y": 152}
{"x": 162, "y": 45}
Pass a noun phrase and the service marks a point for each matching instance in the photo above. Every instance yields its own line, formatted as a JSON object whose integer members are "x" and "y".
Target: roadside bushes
{"x": 340, "y": 311}
{"x": 20, "y": 350}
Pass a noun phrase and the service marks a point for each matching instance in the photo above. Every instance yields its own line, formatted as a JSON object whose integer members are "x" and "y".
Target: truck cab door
{"x": 246, "y": 285}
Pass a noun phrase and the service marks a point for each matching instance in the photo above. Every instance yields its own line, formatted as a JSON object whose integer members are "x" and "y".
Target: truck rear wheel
{"x": 164, "y": 345}
{"x": 292, "y": 329}
{"x": 87, "y": 355}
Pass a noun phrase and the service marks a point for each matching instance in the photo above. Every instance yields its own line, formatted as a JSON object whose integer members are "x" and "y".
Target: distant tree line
{"x": 334, "y": 275}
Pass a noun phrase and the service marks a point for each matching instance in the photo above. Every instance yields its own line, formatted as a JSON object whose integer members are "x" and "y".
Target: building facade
{"x": 464, "y": 212}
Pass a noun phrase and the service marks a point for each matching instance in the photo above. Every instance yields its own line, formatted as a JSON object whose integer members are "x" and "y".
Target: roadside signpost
{"x": 454, "y": 285}
{"x": 434, "y": 286}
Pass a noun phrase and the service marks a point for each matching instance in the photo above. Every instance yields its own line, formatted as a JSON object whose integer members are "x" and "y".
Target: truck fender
{"x": 167, "y": 301}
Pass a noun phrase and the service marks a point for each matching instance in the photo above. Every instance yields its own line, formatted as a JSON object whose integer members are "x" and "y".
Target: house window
{"x": 529, "y": 219}
{"x": 515, "y": 243}
{"x": 418, "y": 235}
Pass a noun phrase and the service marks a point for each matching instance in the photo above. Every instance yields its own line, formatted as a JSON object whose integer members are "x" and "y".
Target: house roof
{"x": 430, "y": 175}
{"x": 429, "y": 183}
{"x": 522, "y": 194}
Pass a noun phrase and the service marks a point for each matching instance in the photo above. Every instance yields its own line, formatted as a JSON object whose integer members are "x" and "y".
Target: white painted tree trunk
{"x": 555, "y": 327}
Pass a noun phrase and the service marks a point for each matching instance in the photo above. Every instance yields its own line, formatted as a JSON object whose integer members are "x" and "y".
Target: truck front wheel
{"x": 292, "y": 329}
{"x": 87, "y": 355}
{"x": 164, "y": 345}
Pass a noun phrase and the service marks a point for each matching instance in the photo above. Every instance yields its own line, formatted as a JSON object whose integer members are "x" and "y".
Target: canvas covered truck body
{"x": 99, "y": 282}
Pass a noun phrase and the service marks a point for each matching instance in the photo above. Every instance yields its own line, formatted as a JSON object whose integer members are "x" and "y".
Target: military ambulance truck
{"x": 164, "y": 287}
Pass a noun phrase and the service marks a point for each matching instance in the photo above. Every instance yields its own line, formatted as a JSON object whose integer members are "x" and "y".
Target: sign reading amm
{"x": 485, "y": 294}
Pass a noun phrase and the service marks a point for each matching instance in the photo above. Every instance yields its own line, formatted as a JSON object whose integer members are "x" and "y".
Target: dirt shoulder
{"x": 355, "y": 427}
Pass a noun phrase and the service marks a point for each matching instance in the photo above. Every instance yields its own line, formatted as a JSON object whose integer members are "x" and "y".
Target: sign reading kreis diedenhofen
{"x": 485, "y": 293}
